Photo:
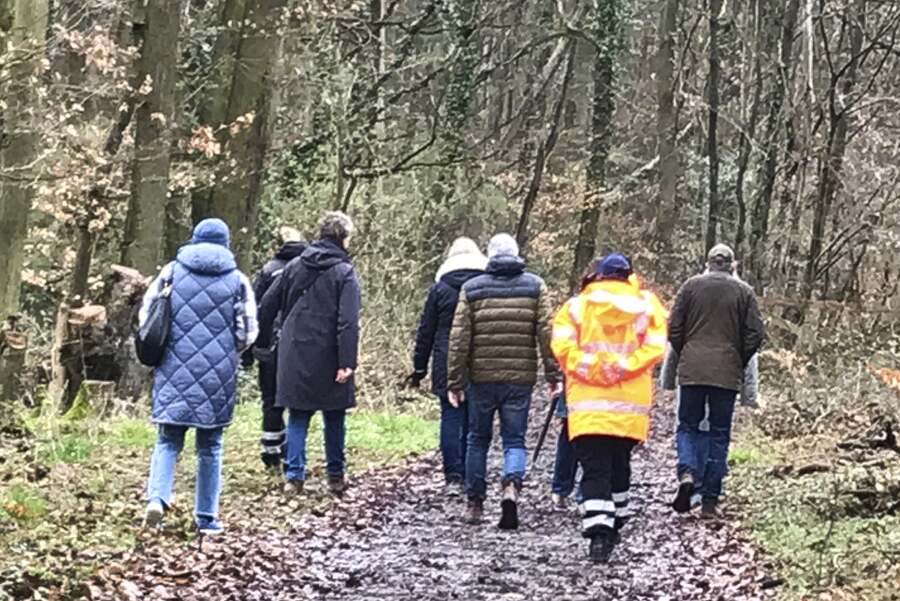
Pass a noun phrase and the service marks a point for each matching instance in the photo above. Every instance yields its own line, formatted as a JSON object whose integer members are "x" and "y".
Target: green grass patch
{"x": 22, "y": 504}
{"x": 138, "y": 434}
{"x": 72, "y": 447}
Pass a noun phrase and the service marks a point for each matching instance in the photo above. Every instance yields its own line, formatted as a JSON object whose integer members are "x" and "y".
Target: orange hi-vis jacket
{"x": 607, "y": 340}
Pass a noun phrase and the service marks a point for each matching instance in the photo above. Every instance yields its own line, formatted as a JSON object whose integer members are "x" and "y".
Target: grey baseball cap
{"x": 721, "y": 253}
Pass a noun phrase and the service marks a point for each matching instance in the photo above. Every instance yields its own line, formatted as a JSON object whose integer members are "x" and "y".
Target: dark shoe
{"x": 453, "y": 489}
{"x": 336, "y": 485}
{"x": 509, "y": 509}
{"x": 620, "y": 523}
{"x": 557, "y": 501}
{"x": 682, "y": 502}
{"x": 292, "y": 488}
{"x": 474, "y": 511}
{"x": 602, "y": 546}
{"x": 709, "y": 509}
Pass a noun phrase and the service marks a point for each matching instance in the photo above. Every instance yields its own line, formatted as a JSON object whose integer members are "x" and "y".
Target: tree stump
{"x": 13, "y": 347}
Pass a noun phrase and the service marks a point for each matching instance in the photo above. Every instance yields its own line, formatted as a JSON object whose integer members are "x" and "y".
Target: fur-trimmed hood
{"x": 466, "y": 262}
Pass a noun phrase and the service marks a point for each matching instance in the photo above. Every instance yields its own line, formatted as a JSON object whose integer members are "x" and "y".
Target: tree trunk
{"x": 145, "y": 224}
{"x": 240, "y": 100}
{"x": 606, "y": 29}
{"x": 831, "y": 165}
{"x": 666, "y": 126}
{"x": 24, "y": 27}
{"x": 775, "y": 121}
{"x": 714, "y": 7}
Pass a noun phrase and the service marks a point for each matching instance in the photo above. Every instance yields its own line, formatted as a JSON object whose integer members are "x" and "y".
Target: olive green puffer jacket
{"x": 501, "y": 325}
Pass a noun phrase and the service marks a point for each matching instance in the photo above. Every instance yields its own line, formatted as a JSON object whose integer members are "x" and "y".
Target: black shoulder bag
{"x": 151, "y": 338}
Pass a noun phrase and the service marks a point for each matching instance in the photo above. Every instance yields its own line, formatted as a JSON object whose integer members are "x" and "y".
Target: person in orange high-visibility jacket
{"x": 607, "y": 340}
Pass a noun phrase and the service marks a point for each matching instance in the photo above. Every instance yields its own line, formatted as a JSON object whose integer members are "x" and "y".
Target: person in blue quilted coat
{"x": 195, "y": 386}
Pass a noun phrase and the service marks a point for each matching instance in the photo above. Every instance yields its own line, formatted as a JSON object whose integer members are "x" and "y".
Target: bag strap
{"x": 286, "y": 290}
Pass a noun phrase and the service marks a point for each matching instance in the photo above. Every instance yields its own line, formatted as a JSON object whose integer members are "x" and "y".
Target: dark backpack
{"x": 151, "y": 339}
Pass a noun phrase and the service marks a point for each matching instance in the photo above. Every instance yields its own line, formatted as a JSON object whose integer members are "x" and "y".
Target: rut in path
{"x": 395, "y": 536}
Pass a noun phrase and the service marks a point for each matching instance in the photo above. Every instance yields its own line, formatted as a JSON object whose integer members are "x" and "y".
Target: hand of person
{"x": 414, "y": 379}
{"x": 343, "y": 374}
{"x": 554, "y": 389}
{"x": 456, "y": 397}
{"x": 668, "y": 396}
{"x": 247, "y": 359}
{"x": 611, "y": 374}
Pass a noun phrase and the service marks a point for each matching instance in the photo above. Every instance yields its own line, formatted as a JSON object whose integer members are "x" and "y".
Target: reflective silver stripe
{"x": 575, "y": 309}
{"x": 623, "y": 512}
{"x": 271, "y": 450}
{"x": 656, "y": 340}
{"x": 585, "y": 364}
{"x": 598, "y": 520}
{"x": 599, "y": 505}
{"x": 565, "y": 333}
{"x": 626, "y": 303}
{"x": 272, "y": 435}
{"x": 620, "y": 497}
{"x": 611, "y": 406}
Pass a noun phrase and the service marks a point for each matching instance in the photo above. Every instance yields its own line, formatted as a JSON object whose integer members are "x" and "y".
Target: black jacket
{"x": 320, "y": 296}
{"x": 433, "y": 336}
{"x": 716, "y": 328}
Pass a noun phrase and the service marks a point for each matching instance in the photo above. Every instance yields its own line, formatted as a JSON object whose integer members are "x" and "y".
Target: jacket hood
{"x": 618, "y": 302}
{"x": 290, "y": 250}
{"x": 508, "y": 265}
{"x": 456, "y": 279}
{"x": 466, "y": 262}
{"x": 206, "y": 258}
{"x": 323, "y": 254}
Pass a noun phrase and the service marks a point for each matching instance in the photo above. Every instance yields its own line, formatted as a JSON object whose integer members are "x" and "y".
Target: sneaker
{"x": 602, "y": 546}
{"x": 709, "y": 509}
{"x": 453, "y": 489}
{"x": 209, "y": 526}
{"x": 336, "y": 485}
{"x": 682, "y": 502}
{"x": 474, "y": 511}
{"x": 153, "y": 516}
{"x": 292, "y": 488}
{"x": 509, "y": 509}
{"x": 558, "y": 501}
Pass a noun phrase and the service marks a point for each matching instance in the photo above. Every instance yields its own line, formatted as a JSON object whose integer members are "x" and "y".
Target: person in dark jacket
{"x": 195, "y": 386}
{"x": 273, "y": 432}
{"x": 319, "y": 297}
{"x": 500, "y": 330}
{"x": 464, "y": 262}
{"x": 715, "y": 329}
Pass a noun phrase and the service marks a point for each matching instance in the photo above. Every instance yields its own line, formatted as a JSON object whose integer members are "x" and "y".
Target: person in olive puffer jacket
{"x": 500, "y": 331}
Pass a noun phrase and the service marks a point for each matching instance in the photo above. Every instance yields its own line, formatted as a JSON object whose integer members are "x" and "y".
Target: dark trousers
{"x": 605, "y": 481}
{"x": 272, "y": 439}
{"x": 704, "y": 454}
{"x": 454, "y": 431}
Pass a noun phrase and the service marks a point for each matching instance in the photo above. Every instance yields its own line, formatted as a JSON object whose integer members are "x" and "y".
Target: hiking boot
{"x": 474, "y": 511}
{"x": 602, "y": 546}
{"x": 336, "y": 485}
{"x": 682, "y": 502}
{"x": 557, "y": 501}
{"x": 509, "y": 509}
{"x": 709, "y": 509}
{"x": 208, "y": 526}
{"x": 292, "y": 488}
{"x": 153, "y": 516}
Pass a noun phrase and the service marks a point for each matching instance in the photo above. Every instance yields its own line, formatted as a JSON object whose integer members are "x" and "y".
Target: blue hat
{"x": 614, "y": 266}
{"x": 212, "y": 231}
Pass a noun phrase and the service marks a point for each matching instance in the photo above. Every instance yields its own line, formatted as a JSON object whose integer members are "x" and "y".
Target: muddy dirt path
{"x": 395, "y": 536}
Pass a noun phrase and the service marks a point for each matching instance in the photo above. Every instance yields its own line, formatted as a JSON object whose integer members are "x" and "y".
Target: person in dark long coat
{"x": 319, "y": 297}
{"x": 464, "y": 262}
{"x": 272, "y": 438}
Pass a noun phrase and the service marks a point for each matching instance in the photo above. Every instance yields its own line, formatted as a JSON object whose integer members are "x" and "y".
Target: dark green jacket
{"x": 501, "y": 328}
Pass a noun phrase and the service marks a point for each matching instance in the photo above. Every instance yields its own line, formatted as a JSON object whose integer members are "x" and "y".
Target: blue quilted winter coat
{"x": 196, "y": 383}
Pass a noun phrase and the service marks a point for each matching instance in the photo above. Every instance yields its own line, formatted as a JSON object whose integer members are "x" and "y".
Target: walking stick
{"x": 540, "y": 442}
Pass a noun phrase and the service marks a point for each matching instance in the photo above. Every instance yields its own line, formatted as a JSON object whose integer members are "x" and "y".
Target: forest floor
{"x": 395, "y": 535}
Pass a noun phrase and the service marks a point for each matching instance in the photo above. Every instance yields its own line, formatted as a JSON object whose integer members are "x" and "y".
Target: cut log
{"x": 13, "y": 347}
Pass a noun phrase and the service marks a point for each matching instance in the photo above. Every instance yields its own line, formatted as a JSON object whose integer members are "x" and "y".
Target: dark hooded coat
{"x": 320, "y": 299}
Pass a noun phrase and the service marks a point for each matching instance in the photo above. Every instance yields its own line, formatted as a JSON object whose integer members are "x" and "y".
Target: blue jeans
{"x": 565, "y": 466}
{"x": 512, "y": 403}
{"x": 169, "y": 442}
{"x": 454, "y": 430}
{"x": 335, "y": 436}
{"x": 705, "y": 453}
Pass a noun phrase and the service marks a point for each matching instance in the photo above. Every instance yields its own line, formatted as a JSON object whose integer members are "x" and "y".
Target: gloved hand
{"x": 611, "y": 373}
{"x": 414, "y": 379}
{"x": 247, "y": 358}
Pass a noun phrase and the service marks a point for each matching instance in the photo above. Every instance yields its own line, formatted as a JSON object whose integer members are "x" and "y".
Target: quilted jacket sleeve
{"x": 545, "y": 336}
{"x": 460, "y": 344}
{"x": 348, "y": 321}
